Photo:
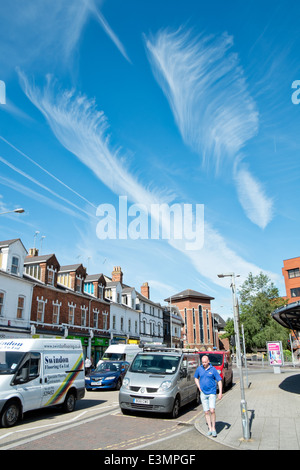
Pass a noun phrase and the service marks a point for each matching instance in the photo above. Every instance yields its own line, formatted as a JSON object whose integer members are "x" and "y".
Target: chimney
{"x": 145, "y": 290}
{"x": 33, "y": 252}
{"x": 117, "y": 275}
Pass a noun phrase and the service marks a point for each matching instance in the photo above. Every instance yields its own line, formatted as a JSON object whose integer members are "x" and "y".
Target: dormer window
{"x": 78, "y": 286}
{"x": 51, "y": 274}
{"x": 14, "y": 265}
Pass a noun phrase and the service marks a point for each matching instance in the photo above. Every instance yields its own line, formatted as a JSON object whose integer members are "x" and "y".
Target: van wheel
{"x": 176, "y": 407}
{"x": 70, "y": 402}
{"x": 10, "y": 414}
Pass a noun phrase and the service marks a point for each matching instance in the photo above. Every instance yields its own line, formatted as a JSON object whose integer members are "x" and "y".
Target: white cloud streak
{"x": 82, "y": 129}
{"x": 47, "y": 32}
{"x": 256, "y": 204}
{"x": 215, "y": 114}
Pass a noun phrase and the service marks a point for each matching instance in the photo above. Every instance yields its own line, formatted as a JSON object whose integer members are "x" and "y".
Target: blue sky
{"x": 163, "y": 102}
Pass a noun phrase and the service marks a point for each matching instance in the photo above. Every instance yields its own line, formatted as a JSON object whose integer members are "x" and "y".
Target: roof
{"x": 38, "y": 259}
{"x": 93, "y": 277}
{"x": 188, "y": 293}
{"x": 70, "y": 267}
{"x": 288, "y": 316}
{"x": 10, "y": 242}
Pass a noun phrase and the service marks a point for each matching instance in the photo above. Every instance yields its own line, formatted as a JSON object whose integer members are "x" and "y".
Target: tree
{"x": 259, "y": 297}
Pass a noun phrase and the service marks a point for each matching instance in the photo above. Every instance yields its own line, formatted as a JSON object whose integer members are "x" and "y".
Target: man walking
{"x": 206, "y": 378}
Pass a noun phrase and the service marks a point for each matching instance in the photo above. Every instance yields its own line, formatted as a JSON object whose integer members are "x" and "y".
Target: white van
{"x": 121, "y": 352}
{"x": 36, "y": 373}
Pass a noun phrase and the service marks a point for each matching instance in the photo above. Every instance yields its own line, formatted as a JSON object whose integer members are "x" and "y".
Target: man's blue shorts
{"x": 208, "y": 401}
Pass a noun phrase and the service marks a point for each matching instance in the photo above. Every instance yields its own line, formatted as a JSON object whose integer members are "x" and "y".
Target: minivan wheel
{"x": 176, "y": 408}
{"x": 10, "y": 414}
{"x": 69, "y": 403}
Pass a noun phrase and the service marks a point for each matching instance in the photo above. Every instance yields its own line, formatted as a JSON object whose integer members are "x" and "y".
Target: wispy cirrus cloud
{"x": 251, "y": 194}
{"x": 83, "y": 130}
{"x": 48, "y": 32}
{"x": 207, "y": 91}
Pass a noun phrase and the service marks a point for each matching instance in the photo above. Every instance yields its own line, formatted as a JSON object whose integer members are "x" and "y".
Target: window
{"x": 71, "y": 316}
{"x": 51, "y": 274}
{"x": 207, "y": 326}
{"x": 20, "y": 309}
{"x": 105, "y": 315}
{"x": 100, "y": 291}
{"x": 114, "y": 322}
{"x": 14, "y": 265}
{"x": 1, "y": 304}
{"x": 56, "y": 311}
{"x": 95, "y": 318}
{"x": 295, "y": 292}
{"x": 41, "y": 309}
{"x": 84, "y": 310}
{"x": 201, "y": 324}
{"x": 122, "y": 323}
{"x": 30, "y": 369}
{"x": 129, "y": 325}
{"x": 293, "y": 273}
{"x": 78, "y": 285}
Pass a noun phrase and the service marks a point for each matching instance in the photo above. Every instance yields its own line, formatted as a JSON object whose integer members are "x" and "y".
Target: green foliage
{"x": 259, "y": 297}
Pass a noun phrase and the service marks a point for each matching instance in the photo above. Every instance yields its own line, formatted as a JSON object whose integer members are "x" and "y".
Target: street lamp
{"x": 244, "y": 411}
{"x": 19, "y": 211}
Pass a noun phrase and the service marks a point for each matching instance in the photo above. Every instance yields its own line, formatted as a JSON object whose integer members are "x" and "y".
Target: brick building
{"x": 291, "y": 274}
{"x": 60, "y": 306}
{"x": 195, "y": 310}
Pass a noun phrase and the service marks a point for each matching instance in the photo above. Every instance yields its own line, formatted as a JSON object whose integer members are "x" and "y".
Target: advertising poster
{"x": 275, "y": 353}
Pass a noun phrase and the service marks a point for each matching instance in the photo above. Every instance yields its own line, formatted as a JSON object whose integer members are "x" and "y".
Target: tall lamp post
{"x": 244, "y": 411}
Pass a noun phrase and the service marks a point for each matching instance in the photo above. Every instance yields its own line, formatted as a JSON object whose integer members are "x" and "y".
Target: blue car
{"x": 108, "y": 375}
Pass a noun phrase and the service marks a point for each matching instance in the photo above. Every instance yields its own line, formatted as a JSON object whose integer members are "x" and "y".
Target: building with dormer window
{"x": 15, "y": 291}
{"x": 124, "y": 316}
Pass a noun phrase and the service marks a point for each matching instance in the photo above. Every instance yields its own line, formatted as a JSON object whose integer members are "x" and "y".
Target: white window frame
{"x": 40, "y": 313}
{"x": 22, "y": 308}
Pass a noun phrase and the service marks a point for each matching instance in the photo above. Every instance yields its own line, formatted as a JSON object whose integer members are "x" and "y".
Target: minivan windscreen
{"x": 113, "y": 357}
{"x": 155, "y": 364}
{"x": 9, "y": 361}
{"x": 214, "y": 359}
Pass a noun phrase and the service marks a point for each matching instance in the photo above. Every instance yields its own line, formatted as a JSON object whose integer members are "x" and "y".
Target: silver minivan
{"x": 160, "y": 381}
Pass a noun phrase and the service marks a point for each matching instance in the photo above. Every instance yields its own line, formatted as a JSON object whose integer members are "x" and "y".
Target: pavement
{"x": 273, "y": 404}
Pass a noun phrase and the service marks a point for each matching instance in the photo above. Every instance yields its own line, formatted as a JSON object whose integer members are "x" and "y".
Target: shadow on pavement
{"x": 291, "y": 384}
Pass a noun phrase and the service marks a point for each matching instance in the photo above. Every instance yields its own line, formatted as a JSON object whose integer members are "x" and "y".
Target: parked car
{"x": 160, "y": 380}
{"x": 109, "y": 374}
{"x": 221, "y": 360}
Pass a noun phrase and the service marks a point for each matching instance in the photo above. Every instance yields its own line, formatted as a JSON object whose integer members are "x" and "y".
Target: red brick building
{"x": 60, "y": 306}
{"x": 195, "y": 310}
{"x": 291, "y": 274}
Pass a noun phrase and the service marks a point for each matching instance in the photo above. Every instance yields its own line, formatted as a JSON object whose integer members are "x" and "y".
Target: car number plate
{"x": 141, "y": 401}
{"x": 96, "y": 383}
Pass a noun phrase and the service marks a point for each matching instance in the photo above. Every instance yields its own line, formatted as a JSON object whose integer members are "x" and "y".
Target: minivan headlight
{"x": 126, "y": 383}
{"x": 165, "y": 386}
